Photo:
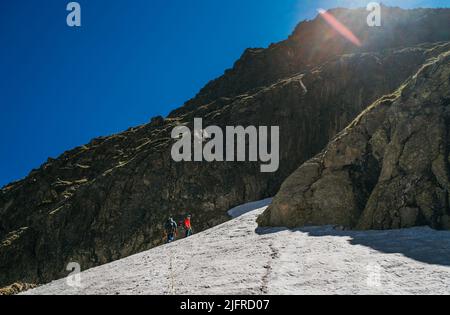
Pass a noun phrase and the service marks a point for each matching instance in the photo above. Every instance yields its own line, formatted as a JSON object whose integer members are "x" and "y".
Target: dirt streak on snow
{"x": 235, "y": 258}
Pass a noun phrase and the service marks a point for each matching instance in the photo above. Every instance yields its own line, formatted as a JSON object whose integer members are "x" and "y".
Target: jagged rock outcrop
{"x": 389, "y": 169}
{"x": 107, "y": 200}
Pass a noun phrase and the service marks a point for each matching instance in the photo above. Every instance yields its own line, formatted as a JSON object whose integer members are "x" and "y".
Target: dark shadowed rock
{"x": 389, "y": 169}
{"x": 157, "y": 121}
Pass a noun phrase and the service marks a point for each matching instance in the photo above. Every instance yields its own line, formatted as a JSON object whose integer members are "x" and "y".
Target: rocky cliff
{"x": 107, "y": 199}
{"x": 389, "y": 169}
{"x": 314, "y": 42}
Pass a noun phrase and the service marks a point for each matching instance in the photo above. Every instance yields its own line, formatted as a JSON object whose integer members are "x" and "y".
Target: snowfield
{"x": 236, "y": 258}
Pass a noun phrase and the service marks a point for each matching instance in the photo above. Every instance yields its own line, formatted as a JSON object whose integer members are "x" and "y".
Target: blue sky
{"x": 131, "y": 60}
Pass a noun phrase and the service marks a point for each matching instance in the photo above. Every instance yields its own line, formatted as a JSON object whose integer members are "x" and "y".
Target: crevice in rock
{"x": 421, "y": 219}
{"x": 364, "y": 177}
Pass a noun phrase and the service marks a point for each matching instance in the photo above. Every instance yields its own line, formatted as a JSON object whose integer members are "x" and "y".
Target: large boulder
{"x": 389, "y": 169}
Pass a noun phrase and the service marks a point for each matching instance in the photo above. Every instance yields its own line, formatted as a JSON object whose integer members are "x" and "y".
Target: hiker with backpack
{"x": 171, "y": 230}
{"x": 187, "y": 225}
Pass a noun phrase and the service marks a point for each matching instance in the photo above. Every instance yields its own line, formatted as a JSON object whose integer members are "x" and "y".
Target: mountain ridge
{"x": 301, "y": 49}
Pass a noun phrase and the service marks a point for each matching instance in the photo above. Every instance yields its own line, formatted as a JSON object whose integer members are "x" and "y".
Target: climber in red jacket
{"x": 187, "y": 225}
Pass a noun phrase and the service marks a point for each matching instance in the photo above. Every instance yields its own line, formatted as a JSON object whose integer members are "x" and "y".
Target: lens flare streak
{"x": 340, "y": 28}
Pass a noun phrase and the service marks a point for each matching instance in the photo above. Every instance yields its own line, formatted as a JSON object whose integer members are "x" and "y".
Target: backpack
{"x": 171, "y": 226}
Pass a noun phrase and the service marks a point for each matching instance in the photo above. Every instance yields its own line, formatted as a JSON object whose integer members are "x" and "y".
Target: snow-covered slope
{"x": 248, "y": 207}
{"x": 235, "y": 258}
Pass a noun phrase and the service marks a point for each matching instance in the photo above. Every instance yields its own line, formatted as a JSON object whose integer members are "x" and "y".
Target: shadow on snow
{"x": 421, "y": 244}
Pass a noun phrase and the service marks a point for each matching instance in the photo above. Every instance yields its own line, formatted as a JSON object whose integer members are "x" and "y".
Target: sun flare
{"x": 339, "y": 27}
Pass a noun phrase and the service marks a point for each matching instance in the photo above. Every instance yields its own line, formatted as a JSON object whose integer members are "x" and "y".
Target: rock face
{"x": 389, "y": 169}
{"x": 108, "y": 199}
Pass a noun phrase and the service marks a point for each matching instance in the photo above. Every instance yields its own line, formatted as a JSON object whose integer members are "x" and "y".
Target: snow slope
{"x": 248, "y": 207}
{"x": 235, "y": 258}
